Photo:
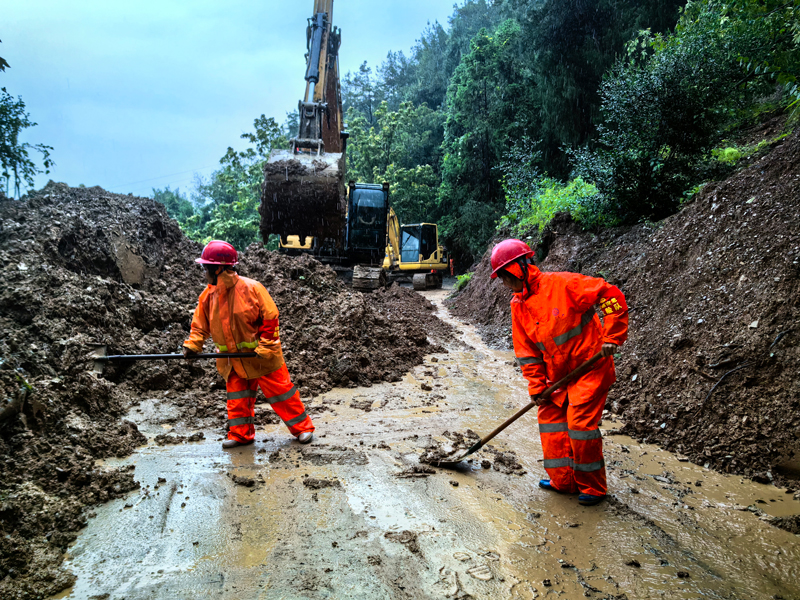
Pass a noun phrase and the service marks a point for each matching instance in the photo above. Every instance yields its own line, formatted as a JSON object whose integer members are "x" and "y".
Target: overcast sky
{"x": 136, "y": 95}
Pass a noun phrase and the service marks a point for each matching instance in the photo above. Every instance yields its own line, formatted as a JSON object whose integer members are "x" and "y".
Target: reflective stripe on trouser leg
{"x": 556, "y": 446}
{"x": 587, "y": 445}
{"x": 241, "y": 408}
{"x": 284, "y": 398}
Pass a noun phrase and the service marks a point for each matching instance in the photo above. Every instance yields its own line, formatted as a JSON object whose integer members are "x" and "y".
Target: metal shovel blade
{"x": 98, "y": 354}
{"x": 454, "y": 462}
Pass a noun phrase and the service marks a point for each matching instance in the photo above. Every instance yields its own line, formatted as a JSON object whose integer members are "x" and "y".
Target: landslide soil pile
{"x": 714, "y": 293}
{"x": 84, "y": 267}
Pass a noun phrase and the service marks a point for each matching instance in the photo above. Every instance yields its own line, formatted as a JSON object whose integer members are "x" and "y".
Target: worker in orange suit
{"x": 239, "y": 315}
{"x": 555, "y": 330}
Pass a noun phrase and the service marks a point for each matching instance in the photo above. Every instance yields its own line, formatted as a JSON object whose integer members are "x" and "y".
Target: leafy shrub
{"x": 728, "y": 156}
{"x": 534, "y": 208}
{"x": 462, "y": 282}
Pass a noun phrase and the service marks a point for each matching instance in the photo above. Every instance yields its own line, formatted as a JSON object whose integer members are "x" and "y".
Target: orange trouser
{"x": 573, "y": 446}
{"x": 280, "y": 393}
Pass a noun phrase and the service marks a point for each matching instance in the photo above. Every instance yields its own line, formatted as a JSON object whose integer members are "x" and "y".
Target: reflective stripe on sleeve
{"x": 528, "y": 360}
{"x": 555, "y": 463}
{"x": 575, "y": 331}
{"x": 296, "y": 420}
{"x": 540, "y": 346}
{"x": 284, "y": 396}
{"x": 552, "y": 427}
{"x": 589, "y": 467}
{"x": 221, "y": 348}
{"x": 249, "y": 345}
{"x": 241, "y": 421}
{"x": 592, "y": 434}
{"x": 242, "y": 394}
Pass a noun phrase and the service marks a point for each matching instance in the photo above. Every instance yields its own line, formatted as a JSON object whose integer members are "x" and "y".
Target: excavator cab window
{"x": 368, "y": 219}
{"x": 409, "y": 250}
{"x": 416, "y": 240}
{"x": 427, "y": 241}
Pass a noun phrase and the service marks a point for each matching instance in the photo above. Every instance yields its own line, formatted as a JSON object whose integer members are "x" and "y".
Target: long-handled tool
{"x": 100, "y": 357}
{"x": 567, "y": 378}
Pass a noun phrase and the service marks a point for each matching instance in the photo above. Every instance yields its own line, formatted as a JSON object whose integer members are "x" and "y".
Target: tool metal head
{"x": 98, "y": 354}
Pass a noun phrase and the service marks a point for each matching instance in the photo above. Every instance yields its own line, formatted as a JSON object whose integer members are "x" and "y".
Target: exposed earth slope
{"x": 714, "y": 293}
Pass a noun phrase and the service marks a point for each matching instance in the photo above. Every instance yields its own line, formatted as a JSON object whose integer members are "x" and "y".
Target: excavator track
{"x": 426, "y": 281}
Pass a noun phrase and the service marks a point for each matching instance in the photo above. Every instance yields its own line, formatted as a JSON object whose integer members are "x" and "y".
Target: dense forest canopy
{"x": 615, "y": 110}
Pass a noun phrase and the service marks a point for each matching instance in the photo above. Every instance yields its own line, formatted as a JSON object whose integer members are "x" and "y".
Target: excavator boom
{"x": 304, "y": 191}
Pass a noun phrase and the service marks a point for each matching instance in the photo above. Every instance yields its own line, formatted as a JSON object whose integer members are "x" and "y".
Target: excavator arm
{"x": 304, "y": 192}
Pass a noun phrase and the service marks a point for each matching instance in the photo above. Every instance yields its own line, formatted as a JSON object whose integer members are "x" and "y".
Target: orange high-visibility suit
{"x": 240, "y": 316}
{"x": 556, "y": 329}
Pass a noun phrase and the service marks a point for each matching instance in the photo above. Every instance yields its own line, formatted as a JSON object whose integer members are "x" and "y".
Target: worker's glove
{"x": 189, "y": 354}
{"x": 267, "y": 348}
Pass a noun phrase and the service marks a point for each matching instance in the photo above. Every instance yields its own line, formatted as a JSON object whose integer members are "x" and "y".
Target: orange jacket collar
{"x": 228, "y": 279}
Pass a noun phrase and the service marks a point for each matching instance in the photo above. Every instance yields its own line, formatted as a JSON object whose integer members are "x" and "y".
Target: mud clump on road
{"x": 405, "y": 537}
{"x": 313, "y": 483}
{"x": 87, "y": 268}
{"x": 504, "y": 462}
{"x": 165, "y": 439}
{"x": 243, "y": 481}
{"x": 710, "y": 366}
{"x": 416, "y": 472}
{"x": 790, "y": 524}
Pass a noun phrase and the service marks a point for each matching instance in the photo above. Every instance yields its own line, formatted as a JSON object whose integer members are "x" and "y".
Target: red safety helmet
{"x": 218, "y": 252}
{"x": 507, "y": 252}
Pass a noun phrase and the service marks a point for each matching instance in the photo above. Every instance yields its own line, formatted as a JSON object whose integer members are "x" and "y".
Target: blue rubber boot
{"x": 546, "y": 485}
{"x": 590, "y": 500}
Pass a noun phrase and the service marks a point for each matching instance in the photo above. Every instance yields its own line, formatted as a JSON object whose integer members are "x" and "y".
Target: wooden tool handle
{"x": 566, "y": 379}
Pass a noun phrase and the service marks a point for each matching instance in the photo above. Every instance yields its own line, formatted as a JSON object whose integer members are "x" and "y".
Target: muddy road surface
{"x": 355, "y": 515}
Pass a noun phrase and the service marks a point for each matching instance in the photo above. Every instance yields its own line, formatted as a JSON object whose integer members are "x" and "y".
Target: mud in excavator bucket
{"x": 305, "y": 195}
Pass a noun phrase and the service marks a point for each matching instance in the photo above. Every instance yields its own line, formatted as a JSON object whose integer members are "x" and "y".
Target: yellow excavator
{"x": 306, "y": 202}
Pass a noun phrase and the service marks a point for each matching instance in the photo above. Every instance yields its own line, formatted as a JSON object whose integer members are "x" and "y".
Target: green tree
{"x": 178, "y": 206}
{"x": 403, "y": 149}
{"x": 486, "y": 113}
{"x": 668, "y": 102}
{"x": 227, "y": 204}
{"x": 17, "y": 165}
{"x": 361, "y": 92}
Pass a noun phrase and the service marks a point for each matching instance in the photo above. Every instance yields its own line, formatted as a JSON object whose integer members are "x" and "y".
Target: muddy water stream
{"x": 334, "y": 520}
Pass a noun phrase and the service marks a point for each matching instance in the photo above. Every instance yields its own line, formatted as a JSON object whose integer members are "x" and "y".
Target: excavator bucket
{"x": 304, "y": 194}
